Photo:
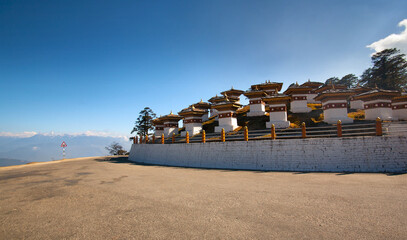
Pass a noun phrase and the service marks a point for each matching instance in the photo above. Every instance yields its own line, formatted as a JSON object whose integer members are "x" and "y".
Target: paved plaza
{"x": 111, "y": 198}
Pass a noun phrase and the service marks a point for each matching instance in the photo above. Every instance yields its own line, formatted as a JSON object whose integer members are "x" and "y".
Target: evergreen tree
{"x": 349, "y": 80}
{"x": 389, "y": 70}
{"x": 332, "y": 80}
{"x": 144, "y": 122}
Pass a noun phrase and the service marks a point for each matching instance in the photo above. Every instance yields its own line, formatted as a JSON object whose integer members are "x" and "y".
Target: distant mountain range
{"x": 9, "y": 162}
{"x": 41, "y": 148}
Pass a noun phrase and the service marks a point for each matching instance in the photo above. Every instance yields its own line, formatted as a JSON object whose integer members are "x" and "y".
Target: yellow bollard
{"x": 222, "y": 135}
{"x": 273, "y": 132}
{"x": 187, "y": 137}
{"x": 141, "y": 139}
{"x": 303, "y": 130}
{"x": 379, "y": 129}
{"x": 146, "y": 139}
{"x": 203, "y": 136}
{"x": 162, "y": 138}
{"x": 246, "y": 134}
{"x": 173, "y": 138}
{"x": 339, "y": 128}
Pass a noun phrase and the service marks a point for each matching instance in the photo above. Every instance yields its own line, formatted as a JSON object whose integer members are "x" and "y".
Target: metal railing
{"x": 373, "y": 128}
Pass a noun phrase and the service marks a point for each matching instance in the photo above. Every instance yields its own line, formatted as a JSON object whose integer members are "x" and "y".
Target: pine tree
{"x": 144, "y": 122}
{"x": 389, "y": 70}
{"x": 349, "y": 80}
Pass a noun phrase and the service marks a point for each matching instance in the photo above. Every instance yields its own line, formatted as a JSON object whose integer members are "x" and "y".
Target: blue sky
{"x": 80, "y": 66}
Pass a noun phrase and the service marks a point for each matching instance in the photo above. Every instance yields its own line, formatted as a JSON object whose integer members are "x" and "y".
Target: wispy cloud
{"x": 35, "y": 148}
{"x": 18, "y": 135}
{"x": 393, "y": 40}
{"x": 52, "y": 133}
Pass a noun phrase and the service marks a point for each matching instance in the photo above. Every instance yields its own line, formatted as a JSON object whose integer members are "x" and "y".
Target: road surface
{"x": 110, "y": 198}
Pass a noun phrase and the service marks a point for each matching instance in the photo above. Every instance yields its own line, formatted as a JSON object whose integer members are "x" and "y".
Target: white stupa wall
{"x": 213, "y": 112}
{"x": 193, "y": 125}
{"x": 378, "y": 108}
{"x": 310, "y": 98}
{"x": 399, "y": 110}
{"x": 335, "y": 110}
{"x": 356, "y": 104}
{"x": 159, "y": 132}
{"x": 205, "y": 117}
{"x": 257, "y": 107}
{"x": 227, "y": 120}
{"x": 278, "y": 116}
{"x": 299, "y": 104}
{"x": 170, "y": 128}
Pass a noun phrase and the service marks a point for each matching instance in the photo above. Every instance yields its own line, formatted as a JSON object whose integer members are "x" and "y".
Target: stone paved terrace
{"x": 103, "y": 198}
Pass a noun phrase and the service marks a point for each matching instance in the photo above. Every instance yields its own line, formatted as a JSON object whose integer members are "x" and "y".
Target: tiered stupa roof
{"x": 222, "y": 98}
{"x": 280, "y": 98}
{"x": 157, "y": 121}
{"x": 313, "y": 85}
{"x": 268, "y": 86}
{"x": 171, "y": 117}
{"x": 191, "y": 111}
{"x": 297, "y": 89}
{"x": 328, "y": 86}
{"x": 377, "y": 94}
{"x": 202, "y": 105}
{"x": 334, "y": 94}
{"x": 232, "y": 92}
{"x": 255, "y": 93}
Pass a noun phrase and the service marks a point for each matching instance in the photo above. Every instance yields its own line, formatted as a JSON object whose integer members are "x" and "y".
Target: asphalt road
{"x": 96, "y": 198}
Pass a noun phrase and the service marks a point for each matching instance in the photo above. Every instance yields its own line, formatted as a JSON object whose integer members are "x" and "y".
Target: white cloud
{"x": 52, "y": 133}
{"x": 393, "y": 40}
{"x": 35, "y": 148}
{"x": 100, "y": 134}
{"x": 18, "y": 135}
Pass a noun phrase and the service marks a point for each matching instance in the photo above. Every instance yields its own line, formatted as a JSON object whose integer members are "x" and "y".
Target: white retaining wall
{"x": 356, "y": 154}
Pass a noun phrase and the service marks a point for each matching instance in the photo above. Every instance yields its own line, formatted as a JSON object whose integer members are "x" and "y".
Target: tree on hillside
{"x": 331, "y": 80}
{"x": 389, "y": 70}
{"x": 116, "y": 149}
{"x": 349, "y": 80}
{"x": 144, "y": 122}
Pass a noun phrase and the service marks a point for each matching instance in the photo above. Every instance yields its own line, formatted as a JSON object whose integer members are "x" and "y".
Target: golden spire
{"x": 201, "y": 100}
{"x": 171, "y": 112}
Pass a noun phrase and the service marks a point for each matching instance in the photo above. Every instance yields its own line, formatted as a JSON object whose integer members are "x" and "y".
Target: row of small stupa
{"x": 386, "y": 104}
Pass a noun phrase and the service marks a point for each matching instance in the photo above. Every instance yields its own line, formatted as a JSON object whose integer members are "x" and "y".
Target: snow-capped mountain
{"x": 46, "y": 147}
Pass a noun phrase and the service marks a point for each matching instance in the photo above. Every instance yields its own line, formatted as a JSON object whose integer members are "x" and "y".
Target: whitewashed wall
{"x": 357, "y": 154}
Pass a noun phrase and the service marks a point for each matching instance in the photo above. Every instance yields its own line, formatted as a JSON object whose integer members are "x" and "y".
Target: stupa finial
{"x": 171, "y": 112}
{"x": 201, "y": 100}
{"x": 309, "y": 80}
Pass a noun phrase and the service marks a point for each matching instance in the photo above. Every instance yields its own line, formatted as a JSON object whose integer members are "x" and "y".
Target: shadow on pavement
{"x": 126, "y": 161}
